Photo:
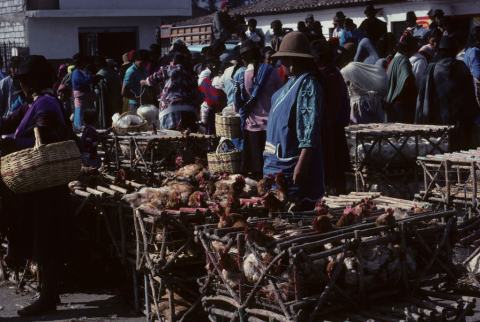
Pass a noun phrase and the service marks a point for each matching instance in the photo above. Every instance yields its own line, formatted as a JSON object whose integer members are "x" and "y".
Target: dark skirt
{"x": 40, "y": 225}
{"x": 252, "y": 153}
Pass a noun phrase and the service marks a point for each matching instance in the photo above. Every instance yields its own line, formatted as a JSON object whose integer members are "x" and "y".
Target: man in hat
{"x": 402, "y": 91}
{"x": 222, "y": 25}
{"x": 112, "y": 99}
{"x": 277, "y": 34}
{"x": 112, "y": 64}
{"x": 257, "y": 84}
{"x": 447, "y": 96}
{"x": 8, "y": 93}
{"x": 255, "y": 34}
{"x": 433, "y": 24}
{"x": 309, "y": 22}
{"x": 350, "y": 31}
{"x": 372, "y": 26}
{"x": 338, "y": 22}
{"x": 317, "y": 31}
{"x": 438, "y": 14}
{"x": 412, "y": 25}
{"x": 132, "y": 88}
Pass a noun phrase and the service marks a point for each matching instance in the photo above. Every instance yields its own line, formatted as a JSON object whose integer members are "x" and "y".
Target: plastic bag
{"x": 149, "y": 113}
{"x": 114, "y": 118}
{"x": 229, "y": 111}
{"x": 128, "y": 120}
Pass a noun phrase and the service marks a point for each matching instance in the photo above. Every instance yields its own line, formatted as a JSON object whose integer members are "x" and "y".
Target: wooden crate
{"x": 192, "y": 35}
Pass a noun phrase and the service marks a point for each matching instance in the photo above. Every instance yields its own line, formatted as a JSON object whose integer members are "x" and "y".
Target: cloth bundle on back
{"x": 366, "y": 52}
{"x": 367, "y": 85}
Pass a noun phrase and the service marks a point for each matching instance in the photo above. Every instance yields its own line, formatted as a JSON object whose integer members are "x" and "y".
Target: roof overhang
{"x": 85, "y": 13}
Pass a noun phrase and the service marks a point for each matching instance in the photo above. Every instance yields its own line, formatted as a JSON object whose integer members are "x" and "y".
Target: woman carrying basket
{"x": 254, "y": 88}
{"x": 293, "y": 131}
{"x": 38, "y": 225}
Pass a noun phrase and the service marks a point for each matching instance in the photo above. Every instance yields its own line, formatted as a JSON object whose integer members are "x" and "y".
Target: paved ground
{"x": 99, "y": 305}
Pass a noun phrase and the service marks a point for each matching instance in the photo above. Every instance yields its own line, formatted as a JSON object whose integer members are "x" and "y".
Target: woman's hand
{"x": 300, "y": 174}
{"x": 143, "y": 83}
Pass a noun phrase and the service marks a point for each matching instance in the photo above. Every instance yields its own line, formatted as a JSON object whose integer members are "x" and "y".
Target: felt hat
{"x": 430, "y": 13}
{"x": 125, "y": 58}
{"x": 370, "y": 8}
{"x": 247, "y": 45}
{"x": 33, "y": 64}
{"x": 252, "y": 23}
{"x": 411, "y": 16}
{"x": 225, "y": 4}
{"x": 317, "y": 24}
{"x": 276, "y": 24}
{"x": 309, "y": 18}
{"x": 111, "y": 62}
{"x": 320, "y": 47}
{"x": 78, "y": 57}
{"x": 408, "y": 41}
{"x": 438, "y": 12}
{"x": 340, "y": 15}
{"x": 295, "y": 44}
{"x": 211, "y": 56}
{"x": 448, "y": 43}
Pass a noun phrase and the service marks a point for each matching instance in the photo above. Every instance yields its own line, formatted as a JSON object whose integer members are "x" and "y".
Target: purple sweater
{"x": 257, "y": 120}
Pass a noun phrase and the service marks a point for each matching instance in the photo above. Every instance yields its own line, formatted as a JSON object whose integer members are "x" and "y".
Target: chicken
{"x": 229, "y": 266}
{"x": 252, "y": 269}
{"x": 174, "y": 200}
{"x": 322, "y": 224}
{"x": 153, "y": 182}
{"x": 417, "y": 210}
{"x": 282, "y": 183}
{"x": 149, "y": 197}
{"x": 272, "y": 203}
{"x": 323, "y": 209}
{"x": 249, "y": 189}
{"x": 351, "y": 274}
{"x": 364, "y": 209}
{"x": 189, "y": 171}
{"x": 202, "y": 162}
{"x": 221, "y": 192}
{"x": 179, "y": 163}
{"x": 348, "y": 218}
{"x": 265, "y": 184}
{"x": 180, "y": 306}
{"x": 331, "y": 267}
{"x": 120, "y": 177}
{"x": 385, "y": 219}
{"x": 232, "y": 203}
{"x": 286, "y": 290}
{"x": 232, "y": 220}
{"x": 197, "y": 200}
{"x": 256, "y": 236}
{"x": 374, "y": 257}
{"x": 267, "y": 228}
{"x": 208, "y": 187}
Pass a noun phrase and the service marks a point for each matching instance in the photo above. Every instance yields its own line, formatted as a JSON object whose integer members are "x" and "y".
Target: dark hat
{"x": 317, "y": 24}
{"x": 320, "y": 47}
{"x": 252, "y": 23}
{"x": 142, "y": 55}
{"x": 309, "y": 18}
{"x": 78, "y": 57}
{"x": 155, "y": 47}
{"x": 247, "y": 45}
{"x": 33, "y": 64}
{"x": 430, "y": 13}
{"x": 438, "y": 12}
{"x": 370, "y": 8}
{"x": 225, "y": 4}
{"x": 100, "y": 61}
{"x": 266, "y": 50}
{"x": 295, "y": 44}
{"x": 301, "y": 25}
{"x": 411, "y": 16}
{"x": 211, "y": 55}
{"x": 408, "y": 41}
{"x": 448, "y": 43}
{"x": 276, "y": 24}
{"x": 340, "y": 14}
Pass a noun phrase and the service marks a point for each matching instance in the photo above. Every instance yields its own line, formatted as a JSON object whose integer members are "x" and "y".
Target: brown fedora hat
{"x": 295, "y": 44}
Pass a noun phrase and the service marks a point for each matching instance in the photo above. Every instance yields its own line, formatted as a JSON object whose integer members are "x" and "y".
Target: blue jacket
{"x": 357, "y": 33}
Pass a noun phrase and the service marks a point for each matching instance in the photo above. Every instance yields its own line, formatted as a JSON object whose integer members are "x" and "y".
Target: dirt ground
{"x": 96, "y": 305}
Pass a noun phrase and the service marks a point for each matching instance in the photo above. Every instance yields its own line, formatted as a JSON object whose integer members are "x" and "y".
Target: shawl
{"x": 217, "y": 96}
{"x": 398, "y": 72}
{"x": 368, "y": 85}
{"x": 366, "y": 52}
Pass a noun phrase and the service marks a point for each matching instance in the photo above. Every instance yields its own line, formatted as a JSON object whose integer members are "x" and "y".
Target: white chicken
{"x": 252, "y": 269}
{"x": 223, "y": 187}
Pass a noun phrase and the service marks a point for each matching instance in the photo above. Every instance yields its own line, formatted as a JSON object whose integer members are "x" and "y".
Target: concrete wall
{"x": 390, "y": 13}
{"x": 122, "y": 4}
{"x": 57, "y": 38}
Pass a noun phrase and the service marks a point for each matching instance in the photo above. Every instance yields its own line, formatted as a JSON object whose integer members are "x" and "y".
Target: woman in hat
{"x": 293, "y": 130}
{"x": 82, "y": 80}
{"x": 38, "y": 225}
{"x": 254, "y": 88}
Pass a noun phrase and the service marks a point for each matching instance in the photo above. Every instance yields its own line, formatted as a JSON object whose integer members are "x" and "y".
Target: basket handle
{"x": 227, "y": 141}
{"x": 38, "y": 139}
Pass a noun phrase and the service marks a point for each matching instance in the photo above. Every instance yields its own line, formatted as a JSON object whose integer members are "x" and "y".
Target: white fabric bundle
{"x": 367, "y": 83}
{"x": 149, "y": 113}
{"x": 128, "y": 120}
{"x": 204, "y": 110}
{"x": 229, "y": 111}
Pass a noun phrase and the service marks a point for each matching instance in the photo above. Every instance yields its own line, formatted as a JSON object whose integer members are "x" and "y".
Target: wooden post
{"x": 135, "y": 290}
{"x": 447, "y": 182}
{"x": 123, "y": 235}
{"x": 361, "y": 280}
{"x": 171, "y": 302}
{"x": 137, "y": 237}
{"x": 474, "y": 184}
{"x": 240, "y": 246}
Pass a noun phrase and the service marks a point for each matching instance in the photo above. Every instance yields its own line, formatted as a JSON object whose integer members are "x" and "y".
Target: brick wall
{"x": 11, "y": 6}
{"x": 12, "y": 32}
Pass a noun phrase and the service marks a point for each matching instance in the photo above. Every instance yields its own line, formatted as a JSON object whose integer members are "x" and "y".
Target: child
{"x": 89, "y": 139}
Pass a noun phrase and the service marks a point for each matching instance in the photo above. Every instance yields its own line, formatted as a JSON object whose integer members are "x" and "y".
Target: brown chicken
{"x": 385, "y": 219}
{"x": 179, "y": 163}
{"x": 208, "y": 187}
{"x": 322, "y": 224}
{"x": 197, "y": 200}
{"x": 120, "y": 177}
{"x": 232, "y": 220}
{"x": 282, "y": 183}
{"x": 265, "y": 184}
{"x": 272, "y": 203}
{"x": 174, "y": 200}
{"x": 323, "y": 209}
{"x": 256, "y": 236}
{"x": 236, "y": 189}
{"x": 348, "y": 218}
{"x": 267, "y": 228}
{"x": 417, "y": 210}
{"x": 364, "y": 209}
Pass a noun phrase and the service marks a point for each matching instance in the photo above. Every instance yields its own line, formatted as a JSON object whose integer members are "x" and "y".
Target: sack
{"x": 41, "y": 167}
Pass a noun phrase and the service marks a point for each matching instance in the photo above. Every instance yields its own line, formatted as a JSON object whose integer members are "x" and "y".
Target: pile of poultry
{"x": 382, "y": 260}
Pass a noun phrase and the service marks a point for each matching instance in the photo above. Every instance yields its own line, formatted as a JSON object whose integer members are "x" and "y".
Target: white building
{"x": 58, "y": 29}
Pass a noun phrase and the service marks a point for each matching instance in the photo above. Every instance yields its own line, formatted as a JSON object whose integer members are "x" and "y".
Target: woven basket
{"x": 132, "y": 128}
{"x": 228, "y": 127}
{"x": 41, "y": 167}
{"x": 228, "y": 162}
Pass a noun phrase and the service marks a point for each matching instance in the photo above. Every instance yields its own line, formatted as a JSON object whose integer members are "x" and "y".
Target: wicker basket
{"x": 228, "y": 127}
{"x": 132, "y": 128}
{"x": 41, "y": 167}
{"x": 228, "y": 162}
